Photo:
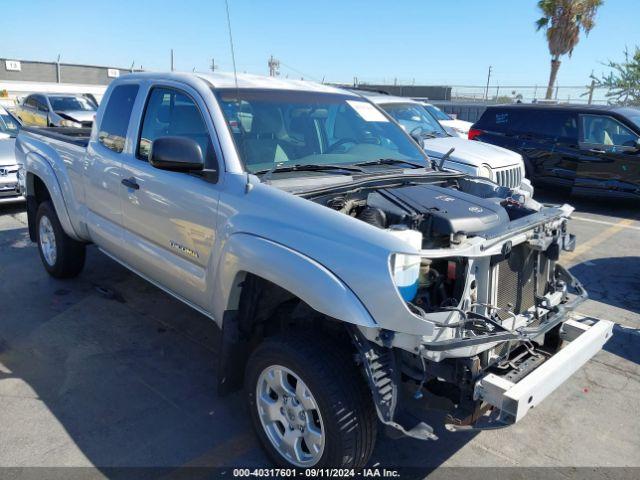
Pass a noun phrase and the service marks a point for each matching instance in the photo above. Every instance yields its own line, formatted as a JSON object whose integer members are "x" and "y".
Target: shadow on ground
{"x": 126, "y": 374}
{"x": 611, "y": 207}
{"x": 614, "y": 281}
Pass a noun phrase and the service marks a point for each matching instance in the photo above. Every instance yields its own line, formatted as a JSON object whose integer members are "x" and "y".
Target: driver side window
{"x": 602, "y": 130}
{"x": 171, "y": 113}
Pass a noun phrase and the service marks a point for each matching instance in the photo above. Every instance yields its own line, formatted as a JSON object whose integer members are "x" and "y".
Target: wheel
{"x": 61, "y": 255}
{"x": 307, "y": 406}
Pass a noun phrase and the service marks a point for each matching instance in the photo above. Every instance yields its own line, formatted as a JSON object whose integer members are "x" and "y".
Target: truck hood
{"x": 459, "y": 125}
{"x": 471, "y": 152}
{"x": 7, "y": 151}
{"x": 78, "y": 115}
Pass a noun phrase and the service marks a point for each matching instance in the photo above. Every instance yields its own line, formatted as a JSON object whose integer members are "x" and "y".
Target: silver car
{"x": 57, "y": 110}
{"x": 10, "y": 190}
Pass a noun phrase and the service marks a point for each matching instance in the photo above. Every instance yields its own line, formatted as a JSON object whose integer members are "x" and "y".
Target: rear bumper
{"x": 586, "y": 336}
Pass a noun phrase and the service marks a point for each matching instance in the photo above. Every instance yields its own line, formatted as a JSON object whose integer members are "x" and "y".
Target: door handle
{"x": 130, "y": 183}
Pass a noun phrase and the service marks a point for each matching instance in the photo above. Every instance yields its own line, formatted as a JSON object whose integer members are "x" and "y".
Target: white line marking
{"x": 602, "y": 222}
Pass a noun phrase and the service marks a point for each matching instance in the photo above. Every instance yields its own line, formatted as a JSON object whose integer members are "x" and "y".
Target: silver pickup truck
{"x": 354, "y": 282}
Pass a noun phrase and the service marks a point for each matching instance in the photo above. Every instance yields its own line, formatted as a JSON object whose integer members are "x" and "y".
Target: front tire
{"x": 61, "y": 255}
{"x": 309, "y": 404}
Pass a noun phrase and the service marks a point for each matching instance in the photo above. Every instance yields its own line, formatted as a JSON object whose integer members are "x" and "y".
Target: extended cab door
{"x": 170, "y": 217}
{"x": 103, "y": 169}
{"x": 611, "y": 159}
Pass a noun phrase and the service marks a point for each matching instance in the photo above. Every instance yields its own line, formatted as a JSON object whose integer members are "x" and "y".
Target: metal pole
{"x": 58, "y": 69}
{"x": 486, "y": 90}
{"x": 172, "y": 59}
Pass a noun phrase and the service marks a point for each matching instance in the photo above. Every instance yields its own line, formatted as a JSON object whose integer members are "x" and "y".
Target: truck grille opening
{"x": 509, "y": 177}
{"x": 513, "y": 280}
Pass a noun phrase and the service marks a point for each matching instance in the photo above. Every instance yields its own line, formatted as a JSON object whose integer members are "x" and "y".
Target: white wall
{"x": 17, "y": 90}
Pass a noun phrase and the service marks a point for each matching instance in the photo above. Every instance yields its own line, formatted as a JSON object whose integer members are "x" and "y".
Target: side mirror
{"x": 179, "y": 154}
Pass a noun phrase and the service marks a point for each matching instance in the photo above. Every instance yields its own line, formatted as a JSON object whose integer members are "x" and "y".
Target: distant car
{"x": 10, "y": 186}
{"x": 57, "y": 110}
{"x": 592, "y": 150}
{"x": 460, "y": 127}
{"x": 473, "y": 158}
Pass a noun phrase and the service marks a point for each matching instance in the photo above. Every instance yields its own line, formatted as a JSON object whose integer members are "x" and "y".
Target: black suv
{"x": 593, "y": 150}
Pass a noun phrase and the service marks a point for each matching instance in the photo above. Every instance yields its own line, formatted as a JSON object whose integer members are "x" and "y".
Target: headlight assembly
{"x": 405, "y": 270}
{"x": 70, "y": 123}
{"x": 485, "y": 171}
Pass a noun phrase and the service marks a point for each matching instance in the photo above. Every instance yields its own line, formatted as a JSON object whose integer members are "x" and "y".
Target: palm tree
{"x": 563, "y": 21}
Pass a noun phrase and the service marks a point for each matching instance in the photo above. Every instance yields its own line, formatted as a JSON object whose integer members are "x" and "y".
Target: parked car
{"x": 592, "y": 150}
{"x": 57, "y": 110}
{"x": 342, "y": 269}
{"x": 10, "y": 185}
{"x": 460, "y": 127}
{"x": 495, "y": 163}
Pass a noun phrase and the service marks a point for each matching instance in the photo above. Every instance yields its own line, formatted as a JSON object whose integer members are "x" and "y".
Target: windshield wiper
{"x": 310, "y": 167}
{"x": 390, "y": 161}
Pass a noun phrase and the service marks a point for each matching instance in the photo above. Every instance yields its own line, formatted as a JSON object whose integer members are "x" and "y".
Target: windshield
{"x": 274, "y": 128}
{"x": 635, "y": 119}
{"x": 68, "y": 104}
{"x": 414, "y": 118}
{"x": 437, "y": 113}
{"x": 8, "y": 124}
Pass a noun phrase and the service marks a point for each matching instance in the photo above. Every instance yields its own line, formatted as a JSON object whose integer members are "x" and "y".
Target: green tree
{"x": 623, "y": 81}
{"x": 563, "y": 20}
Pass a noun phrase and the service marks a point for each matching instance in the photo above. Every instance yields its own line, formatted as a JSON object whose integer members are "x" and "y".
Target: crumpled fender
{"x": 302, "y": 276}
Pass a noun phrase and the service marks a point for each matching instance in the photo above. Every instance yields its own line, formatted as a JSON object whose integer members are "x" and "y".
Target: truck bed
{"x": 76, "y": 136}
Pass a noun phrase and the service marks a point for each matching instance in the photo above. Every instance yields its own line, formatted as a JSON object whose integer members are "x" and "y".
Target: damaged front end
{"x": 488, "y": 283}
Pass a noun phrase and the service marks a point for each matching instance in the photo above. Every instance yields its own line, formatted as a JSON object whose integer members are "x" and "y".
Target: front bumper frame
{"x": 512, "y": 401}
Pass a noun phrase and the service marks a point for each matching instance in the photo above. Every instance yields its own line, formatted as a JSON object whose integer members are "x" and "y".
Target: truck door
{"x": 610, "y": 158}
{"x": 103, "y": 170}
{"x": 170, "y": 217}
{"x": 26, "y": 111}
{"x": 41, "y": 112}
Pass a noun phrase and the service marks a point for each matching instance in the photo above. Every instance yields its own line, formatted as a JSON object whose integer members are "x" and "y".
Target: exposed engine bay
{"x": 446, "y": 215}
{"x": 486, "y": 275}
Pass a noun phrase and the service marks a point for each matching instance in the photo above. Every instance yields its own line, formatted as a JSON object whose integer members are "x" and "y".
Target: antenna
{"x": 233, "y": 54}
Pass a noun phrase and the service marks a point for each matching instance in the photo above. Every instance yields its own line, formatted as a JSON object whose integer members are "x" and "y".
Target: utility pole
{"x": 172, "y": 59}
{"x": 213, "y": 65}
{"x": 58, "y": 69}
{"x": 486, "y": 90}
{"x": 274, "y": 66}
{"x": 591, "y": 88}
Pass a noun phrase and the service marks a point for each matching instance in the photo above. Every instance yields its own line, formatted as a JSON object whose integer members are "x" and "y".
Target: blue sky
{"x": 433, "y": 42}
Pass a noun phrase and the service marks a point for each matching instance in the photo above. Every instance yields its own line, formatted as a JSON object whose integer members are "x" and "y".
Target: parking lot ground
{"x": 106, "y": 370}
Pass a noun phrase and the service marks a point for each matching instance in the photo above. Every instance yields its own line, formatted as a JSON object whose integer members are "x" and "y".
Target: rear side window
{"x": 115, "y": 121}
{"x": 497, "y": 120}
{"x": 552, "y": 124}
{"x": 171, "y": 113}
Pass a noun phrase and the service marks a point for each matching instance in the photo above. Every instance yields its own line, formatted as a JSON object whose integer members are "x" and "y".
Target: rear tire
{"x": 61, "y": 255}
{"x": 322, "y": 386}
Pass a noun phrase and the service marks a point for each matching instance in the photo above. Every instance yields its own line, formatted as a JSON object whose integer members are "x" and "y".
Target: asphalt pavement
{"x": 106, "y": 370}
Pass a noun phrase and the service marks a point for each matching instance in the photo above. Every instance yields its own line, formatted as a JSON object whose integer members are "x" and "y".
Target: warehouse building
{"x": 21, "y": 77}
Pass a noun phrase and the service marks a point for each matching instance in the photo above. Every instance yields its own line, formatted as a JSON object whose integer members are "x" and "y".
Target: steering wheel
{"x": 340, "y": 143}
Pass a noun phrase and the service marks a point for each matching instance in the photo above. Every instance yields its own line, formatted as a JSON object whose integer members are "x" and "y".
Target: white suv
{"x": 503, "y": 166}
